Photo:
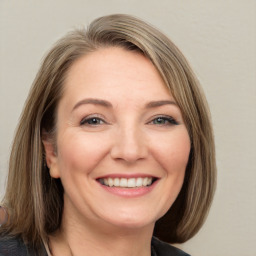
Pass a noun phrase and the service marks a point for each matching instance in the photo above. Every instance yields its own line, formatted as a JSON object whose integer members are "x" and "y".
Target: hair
{"x": 35, "y": 200}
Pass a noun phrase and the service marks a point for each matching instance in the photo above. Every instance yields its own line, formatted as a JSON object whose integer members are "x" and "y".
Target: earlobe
{"x": 51, "y": 158}
{"x": 54, "y": 172}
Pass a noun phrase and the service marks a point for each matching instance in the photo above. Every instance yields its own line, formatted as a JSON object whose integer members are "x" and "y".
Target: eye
{"x": 164, "y": 120}
{"x": 92, "y": 121}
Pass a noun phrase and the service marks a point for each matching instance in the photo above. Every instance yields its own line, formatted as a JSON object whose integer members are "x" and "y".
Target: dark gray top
{"x": 16, "y": 247}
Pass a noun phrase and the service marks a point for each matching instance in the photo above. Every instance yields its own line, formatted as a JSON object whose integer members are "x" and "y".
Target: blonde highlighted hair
{"x": 35, "y": 200}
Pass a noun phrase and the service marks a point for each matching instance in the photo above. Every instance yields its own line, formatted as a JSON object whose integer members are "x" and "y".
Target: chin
{"x": 132, "y": 221}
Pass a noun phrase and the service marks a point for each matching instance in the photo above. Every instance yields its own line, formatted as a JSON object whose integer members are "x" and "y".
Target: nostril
{"x": 129, "y": 151}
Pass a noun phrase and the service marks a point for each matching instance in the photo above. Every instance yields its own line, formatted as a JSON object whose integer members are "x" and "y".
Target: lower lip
{"x": 130, "y": 192}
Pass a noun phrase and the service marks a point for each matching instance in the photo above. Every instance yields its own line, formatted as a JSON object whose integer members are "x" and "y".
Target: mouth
{"x": 122, "y": 182}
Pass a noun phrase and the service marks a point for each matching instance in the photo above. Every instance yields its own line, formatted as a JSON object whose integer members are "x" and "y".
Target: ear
{"x": 51, "y": 157}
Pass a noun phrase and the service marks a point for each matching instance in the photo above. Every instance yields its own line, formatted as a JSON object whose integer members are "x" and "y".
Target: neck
{"x": 76, "y": 239}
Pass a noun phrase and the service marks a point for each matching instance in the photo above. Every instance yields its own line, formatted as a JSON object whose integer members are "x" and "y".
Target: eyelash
{"x": 87, "y": 120}
{"x": 168, "y": 120}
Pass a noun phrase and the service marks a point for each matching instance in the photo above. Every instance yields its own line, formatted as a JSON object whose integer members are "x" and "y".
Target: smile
{"x": 127, "y": 182}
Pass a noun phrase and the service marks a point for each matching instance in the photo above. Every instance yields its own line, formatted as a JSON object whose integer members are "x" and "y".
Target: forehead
{"x": 114, "y": 71}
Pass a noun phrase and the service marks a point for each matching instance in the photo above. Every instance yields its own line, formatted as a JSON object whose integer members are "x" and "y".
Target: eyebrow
{"x": 160, "y": 103}
{"x": 100, "y": 102}
{"x": 104, "y": 103}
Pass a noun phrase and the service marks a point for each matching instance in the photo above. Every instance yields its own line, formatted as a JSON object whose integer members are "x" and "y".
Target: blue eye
{"x": 93, "y": 121}
{"x": 164, "y": 120}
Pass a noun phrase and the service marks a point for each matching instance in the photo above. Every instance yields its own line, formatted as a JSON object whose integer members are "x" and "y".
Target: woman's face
{"x": 122, "y": 145}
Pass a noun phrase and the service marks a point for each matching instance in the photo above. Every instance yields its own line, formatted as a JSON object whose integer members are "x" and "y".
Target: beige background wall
{"x": 218, "y": 38}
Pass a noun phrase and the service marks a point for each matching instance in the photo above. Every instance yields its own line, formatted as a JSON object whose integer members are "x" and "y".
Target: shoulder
{"x": 14, "y": 246}
{"x": 164, "y": 249}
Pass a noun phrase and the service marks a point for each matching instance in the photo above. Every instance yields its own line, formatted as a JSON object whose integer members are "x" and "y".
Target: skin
{"x": 125, "y": 138}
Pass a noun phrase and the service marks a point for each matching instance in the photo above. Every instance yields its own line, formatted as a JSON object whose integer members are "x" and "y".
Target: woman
{"x": 114, "y": 147}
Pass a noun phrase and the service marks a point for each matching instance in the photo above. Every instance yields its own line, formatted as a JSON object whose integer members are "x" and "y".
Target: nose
{"x": 129, "y": 145}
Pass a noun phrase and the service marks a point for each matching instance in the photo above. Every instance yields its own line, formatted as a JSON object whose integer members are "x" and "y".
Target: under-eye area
{"x": 127, "y": 182}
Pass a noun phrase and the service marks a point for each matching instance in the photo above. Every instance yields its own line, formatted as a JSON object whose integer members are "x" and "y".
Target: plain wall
{"x": 219, "y": 40}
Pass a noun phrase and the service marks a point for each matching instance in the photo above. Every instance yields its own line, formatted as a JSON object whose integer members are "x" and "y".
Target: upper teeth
{"x": 126, "y": 183}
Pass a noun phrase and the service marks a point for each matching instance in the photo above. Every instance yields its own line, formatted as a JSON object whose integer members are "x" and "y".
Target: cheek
{"x": 79, "y": 153}
{"x": 173, "y": 152}
{"x": 173, "y": 157}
